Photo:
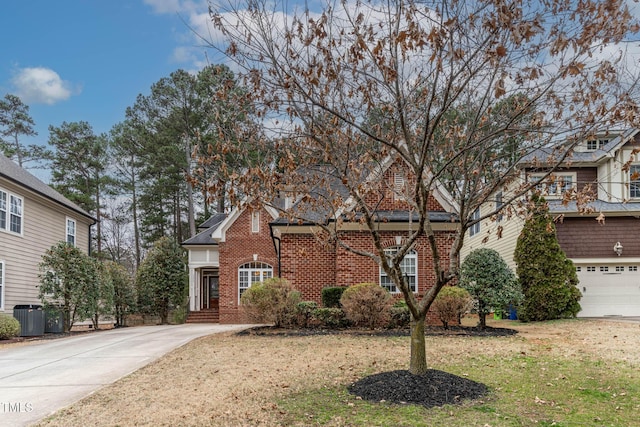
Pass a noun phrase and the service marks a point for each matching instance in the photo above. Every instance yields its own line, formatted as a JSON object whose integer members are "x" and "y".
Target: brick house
{"x": 606, "y": 252}
{"x": 248, "y": 245}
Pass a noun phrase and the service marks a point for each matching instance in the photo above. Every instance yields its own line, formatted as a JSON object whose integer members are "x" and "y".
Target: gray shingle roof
{"x": 630, "y": 208}
{"x": 12, "y": 172}
{"x": 548, "y": 154}
{"x": 210, "y": 225}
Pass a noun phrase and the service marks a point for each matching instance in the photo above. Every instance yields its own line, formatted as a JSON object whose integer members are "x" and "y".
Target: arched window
{"x": 252, "y": 272}
{"x": 409, "y": 267}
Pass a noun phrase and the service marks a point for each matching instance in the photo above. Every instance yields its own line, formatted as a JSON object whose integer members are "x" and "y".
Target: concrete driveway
{"x": 40, "y": 378}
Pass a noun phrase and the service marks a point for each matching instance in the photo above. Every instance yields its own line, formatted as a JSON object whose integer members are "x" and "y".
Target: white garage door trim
{"x": 609, "y": 288}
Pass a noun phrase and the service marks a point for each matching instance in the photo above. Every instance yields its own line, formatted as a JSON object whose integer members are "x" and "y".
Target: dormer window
{"x": 596, "y": 144}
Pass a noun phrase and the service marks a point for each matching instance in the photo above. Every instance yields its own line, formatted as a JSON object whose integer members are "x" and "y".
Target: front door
{"x": 214, "y": 291}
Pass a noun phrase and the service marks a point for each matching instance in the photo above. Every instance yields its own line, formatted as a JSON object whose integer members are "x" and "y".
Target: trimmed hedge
{"x": 451, "y": 303}
{"x": 331, "y": 296}
{"x": 272, "y": 301}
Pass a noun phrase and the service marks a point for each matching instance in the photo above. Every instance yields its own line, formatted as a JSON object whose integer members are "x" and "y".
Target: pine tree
{"x": 548, "y": 278}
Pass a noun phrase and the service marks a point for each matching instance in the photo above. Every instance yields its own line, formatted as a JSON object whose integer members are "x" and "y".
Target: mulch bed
{"x": 435, "y": 388}
{"x": 430, "y": 330}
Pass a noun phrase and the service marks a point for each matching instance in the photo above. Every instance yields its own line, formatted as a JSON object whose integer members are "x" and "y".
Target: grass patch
{"x": 545, "y": 391}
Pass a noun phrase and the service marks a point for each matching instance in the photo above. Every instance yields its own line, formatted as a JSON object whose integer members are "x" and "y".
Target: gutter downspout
{"x": 277, "y": 249}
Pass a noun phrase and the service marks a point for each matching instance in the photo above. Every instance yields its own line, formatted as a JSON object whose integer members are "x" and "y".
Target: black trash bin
{"x": 31, "y": 318}
{"x": 53, "y": 321}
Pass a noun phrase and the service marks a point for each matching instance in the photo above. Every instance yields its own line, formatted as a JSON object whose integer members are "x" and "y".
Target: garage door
{"x": 609, "y": 290}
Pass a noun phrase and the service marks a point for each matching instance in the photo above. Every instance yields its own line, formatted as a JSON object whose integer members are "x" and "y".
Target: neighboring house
{"x": 232, "y": 252}
{"x": 33, "y": 217}
{"x": 603, "y": 243}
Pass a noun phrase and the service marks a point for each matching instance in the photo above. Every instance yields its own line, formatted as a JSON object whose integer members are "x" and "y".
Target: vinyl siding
{"x": 44, "y": 225}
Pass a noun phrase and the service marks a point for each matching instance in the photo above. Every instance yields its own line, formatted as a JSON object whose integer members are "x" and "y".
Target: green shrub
{"x": 548, "y": 278}
{"x": 450, "y": 304}
{"x": 179, "y": 314}
{"x": 9, "y": 327}
{"x": 304, "y": 312}
{"x": 331, "y": 296}
{"x": 400, "y": 316}
{"x": 367, "y": 304}
{"x": 331, "y": 318}
{"x": 272, "y": 301}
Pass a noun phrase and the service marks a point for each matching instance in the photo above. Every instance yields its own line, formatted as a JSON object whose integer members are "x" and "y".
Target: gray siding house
{"x": 33, "y": 217}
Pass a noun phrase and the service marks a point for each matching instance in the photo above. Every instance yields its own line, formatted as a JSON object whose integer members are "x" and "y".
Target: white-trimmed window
{"x": 634, "y": 181}
{"x": 475, "y": 228}
{"x": 409, "y": 268}
{"x": 595, "y": 144}
{"x": 499, "y": 204}
{"x": 11, "y": 212}
{"x": 556, "y": 184}
{"x": 71, "y": 231}
{"x": 255, "y": 221}
{"x": 3, "y": 210}
{"x": 252, "y": 272}
{"x": 1, "y": 285}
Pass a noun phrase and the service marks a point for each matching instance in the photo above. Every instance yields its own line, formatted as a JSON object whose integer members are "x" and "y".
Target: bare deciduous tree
{"x": 459, "y": 90}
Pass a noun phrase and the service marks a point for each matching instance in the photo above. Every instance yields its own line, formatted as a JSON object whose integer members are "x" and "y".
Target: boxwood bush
{"x": 451, "y": 303}
{"x": 331, "y": 318}
{"x": 272, "y": 301}
{"x": 367, "y": 304}
{"x": 9, "y": 327}
{"x": 331, "y": 296}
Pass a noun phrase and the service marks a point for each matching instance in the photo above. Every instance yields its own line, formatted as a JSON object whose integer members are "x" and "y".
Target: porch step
{"x": 204, "y": 316}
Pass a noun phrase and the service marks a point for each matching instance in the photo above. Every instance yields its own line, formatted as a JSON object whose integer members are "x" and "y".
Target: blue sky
{"x": 75, "y": 60}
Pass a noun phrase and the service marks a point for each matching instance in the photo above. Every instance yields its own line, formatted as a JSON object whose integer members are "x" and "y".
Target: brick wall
{"x": 239, "y": 248}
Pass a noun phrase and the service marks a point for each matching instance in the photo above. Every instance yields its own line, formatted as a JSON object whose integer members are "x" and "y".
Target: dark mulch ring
{"x": 431, "y": 330}
{"x": 435, "y": 388}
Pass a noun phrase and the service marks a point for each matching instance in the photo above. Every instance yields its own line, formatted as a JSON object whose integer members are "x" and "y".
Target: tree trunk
{"x": 482, "y": 320}
{"x": 418, "y": 364}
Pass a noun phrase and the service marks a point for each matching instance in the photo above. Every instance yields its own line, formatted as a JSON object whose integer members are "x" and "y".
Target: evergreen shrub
{"x": 331, "y": 296}
{"x": 367, "y": 304}
{"x": 9, "y": 327}
{"x": 272, "y": 301}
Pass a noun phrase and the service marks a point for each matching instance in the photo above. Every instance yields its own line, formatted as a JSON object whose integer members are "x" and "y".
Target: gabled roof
{"x": 14, "y": 173}
{"x": 334, "y": 186}
{"x": 208, "y": 227}
{"x": 546, "y": 155}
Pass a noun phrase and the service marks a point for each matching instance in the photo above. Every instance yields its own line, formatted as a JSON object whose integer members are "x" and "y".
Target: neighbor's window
{"x": 555, "y": 185}
{"x": 634, "y": 181}
{"x": 1, "y": 285}
{"x": 409, "y": 268}
{"x": 15, "y": 214}
{"x": 10, "y": 212}
{"x": 252, "y": 272}
{"x": 71, "y": 231}
{"x": 3, "y": 210}
{"x": 499, "y": 204}
{"x": 475, "y": 228}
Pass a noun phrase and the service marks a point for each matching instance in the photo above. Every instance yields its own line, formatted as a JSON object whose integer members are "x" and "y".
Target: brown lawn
{"x": 228, "y": 380}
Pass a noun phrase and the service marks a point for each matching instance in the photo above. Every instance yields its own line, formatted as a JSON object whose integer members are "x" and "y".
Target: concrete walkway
{"x": 40, "y": 378}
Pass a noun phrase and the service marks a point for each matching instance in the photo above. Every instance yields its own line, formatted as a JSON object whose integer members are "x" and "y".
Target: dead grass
{"x": 227, "y": 380}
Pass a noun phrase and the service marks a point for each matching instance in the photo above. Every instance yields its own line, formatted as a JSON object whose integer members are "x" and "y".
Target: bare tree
{"x": 355, "y": 84}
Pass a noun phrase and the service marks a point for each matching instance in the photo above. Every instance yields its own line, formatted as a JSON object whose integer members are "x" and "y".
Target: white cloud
{"x": 41, "y": 85}
{"x": 164, "y": 6}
